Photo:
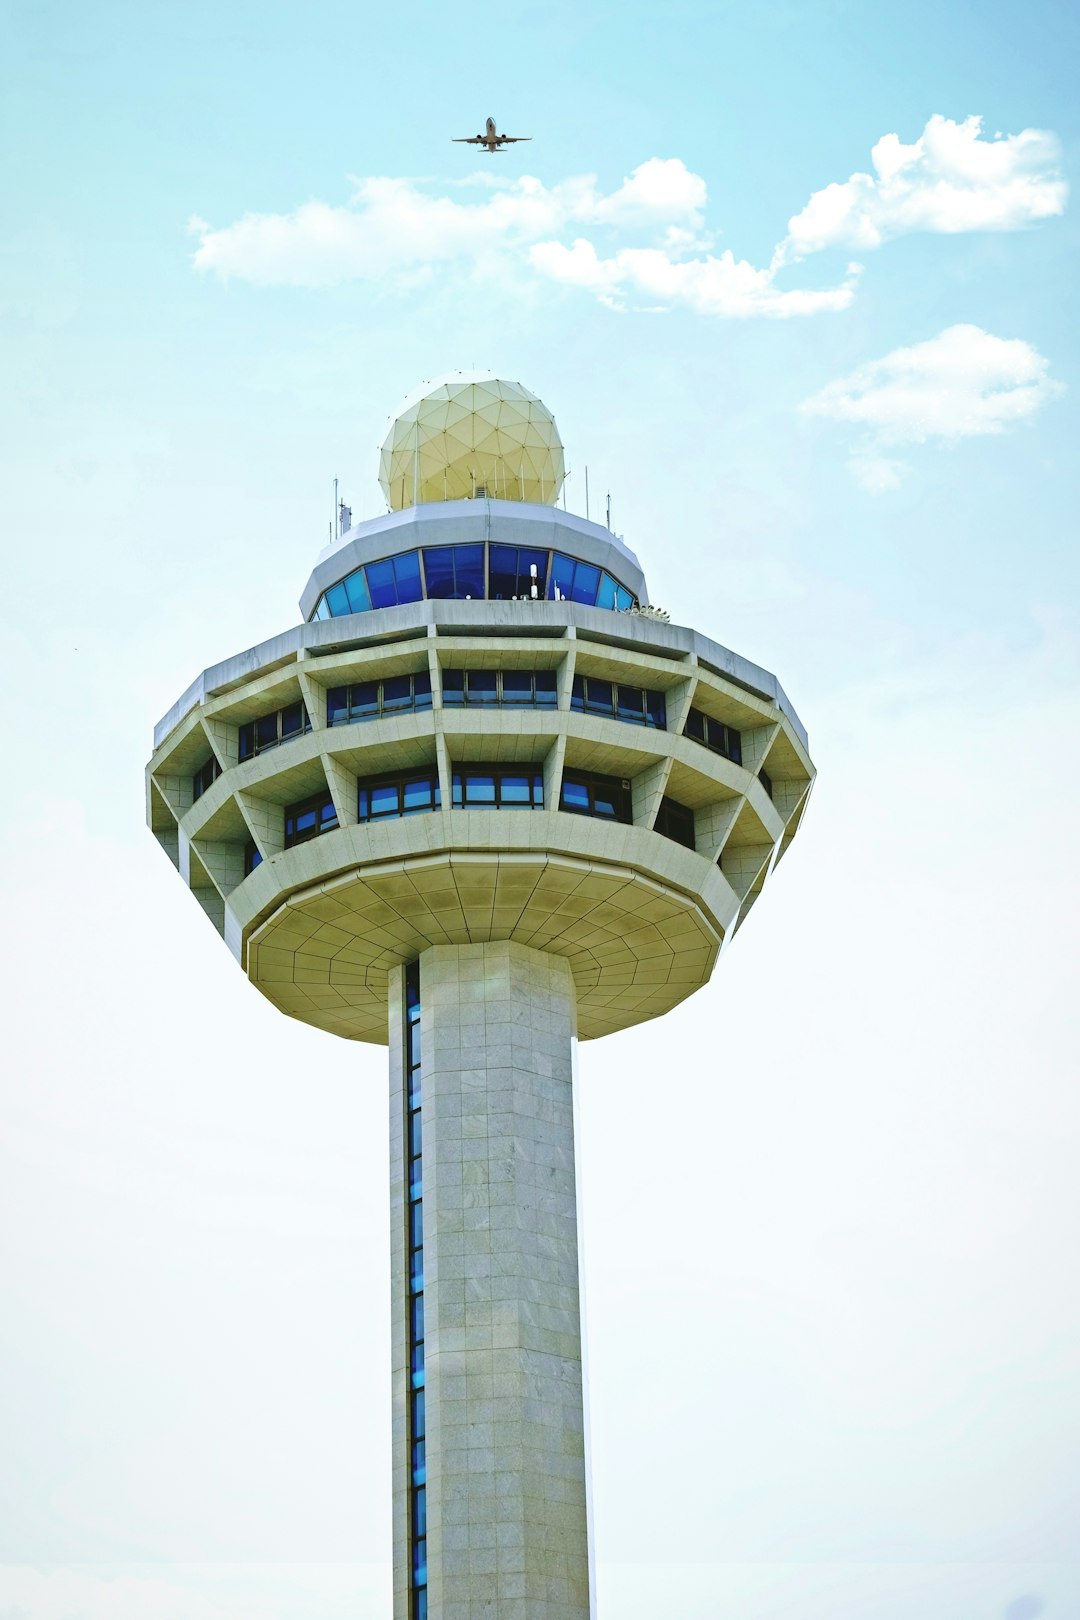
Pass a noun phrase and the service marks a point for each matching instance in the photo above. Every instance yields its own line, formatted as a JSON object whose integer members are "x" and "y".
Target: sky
{"x": 797, "y": 282}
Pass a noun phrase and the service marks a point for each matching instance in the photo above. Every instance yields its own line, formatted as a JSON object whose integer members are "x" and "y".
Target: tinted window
{"x": 676, "y": 821}
{"x": 357, "y": 592}
{"x": 454, "y": 572}
{"x": 509, "y": 788}
{"x": 605, "y": 796}
{"x": 453, "y": 686}
{"x": 510, "y": 571}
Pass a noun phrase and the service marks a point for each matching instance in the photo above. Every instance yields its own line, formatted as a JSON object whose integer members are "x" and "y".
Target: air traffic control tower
{"x": 482, "y": 801}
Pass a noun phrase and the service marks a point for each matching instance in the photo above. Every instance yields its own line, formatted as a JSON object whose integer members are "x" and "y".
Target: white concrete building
{"x": 481, "y": 802}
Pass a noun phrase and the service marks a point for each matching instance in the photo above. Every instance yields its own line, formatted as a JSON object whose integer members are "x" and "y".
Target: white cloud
{"x": 962, "y": 384}
{"x": 393, "y": 224}
{"x": 949, "y": 180}
{"x": 398, "y": 231}
{"x": 396, "y": 228}
{"x": 710, "y": 285}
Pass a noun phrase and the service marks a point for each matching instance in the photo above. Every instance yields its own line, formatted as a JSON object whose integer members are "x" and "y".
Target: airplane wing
{"x": 470, "y": 140}
{"x": 509, "y": 138}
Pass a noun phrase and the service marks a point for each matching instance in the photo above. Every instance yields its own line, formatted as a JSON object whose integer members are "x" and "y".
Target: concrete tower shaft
{"x": 481, "y": 802}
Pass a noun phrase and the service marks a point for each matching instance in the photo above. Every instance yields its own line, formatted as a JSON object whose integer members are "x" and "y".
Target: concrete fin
{"x": 222, "y": 860}
{"x": 342, "y": 786}
{"x": 265, "y": 822}
{"x": 647, "y": 788}
{"x": 214, "y": 906}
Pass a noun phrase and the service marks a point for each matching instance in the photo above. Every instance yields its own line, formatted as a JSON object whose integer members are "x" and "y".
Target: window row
{"x": 714, "y": 734}
{"x": 468, "y": 688}
{"x": 478, "y": 787}
{"x": 271, "y": 729}
{"x": 636, "y": 704}
{"x": 474, "y": 572}
{"x": 368, "y": 700}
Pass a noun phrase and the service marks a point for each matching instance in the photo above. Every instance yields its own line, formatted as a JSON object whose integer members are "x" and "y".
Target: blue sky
{"x": 213, "y": 294}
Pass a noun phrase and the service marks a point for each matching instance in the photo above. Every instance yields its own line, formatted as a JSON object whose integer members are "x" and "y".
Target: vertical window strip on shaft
{"x": 416, "y": 1438}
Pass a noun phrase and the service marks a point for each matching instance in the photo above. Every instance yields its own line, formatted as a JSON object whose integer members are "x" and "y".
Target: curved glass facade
{"x": 473, "y": 573}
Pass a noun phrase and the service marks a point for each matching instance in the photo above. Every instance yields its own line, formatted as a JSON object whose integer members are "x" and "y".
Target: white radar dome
{"x": 467, "y": 439}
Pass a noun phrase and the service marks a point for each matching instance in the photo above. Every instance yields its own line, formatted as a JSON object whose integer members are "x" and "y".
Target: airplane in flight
{"x": 489, "y": 140}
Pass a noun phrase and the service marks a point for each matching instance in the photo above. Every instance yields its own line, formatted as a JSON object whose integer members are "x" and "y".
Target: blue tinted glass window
{"x": 397, "y": 693}
{"x": 575, "y": 796}
{"x": 422, "y": 794}
{"x": 382, "y": 584}
{"x": 337, "y": 705}
{"x": 624, "y": 599}
{"x": 407, "y": 574}
{"x": 517, "y": 686}
{"x": 510, "y": 571}
{"x": 480, "y": 789}
{"x": 385, "y": 799}
{"x": 598, "y": 696}
{"x": 364, "y": 702}
{"x": 586, "y": 583}
{"x": 546, "y": 694}
{"x": 453, "y": 686}
{"x": 266, "y": 731}
{"x": 321, "y": 609}
{"x": 631, "y": 704}
{"x": 656, "y": 710}
{"x": 454, "y": 572}
{"x": 606, "y": 596}
{"x": 293, "y": 720}
{"x": 337, "y": 600}
{"x": 516, "y": 790}
{"x": 422, "y": 690}
{"x": 562, "y": 575}
{"x": 439, "y": 571}
{"x": 420, "y": 1508}
{"x": 357, "y": 592}
{"x": 483, "y": 686}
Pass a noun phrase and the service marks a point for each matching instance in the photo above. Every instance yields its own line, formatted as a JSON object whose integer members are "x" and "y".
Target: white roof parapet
{"x": 480, "y": 617}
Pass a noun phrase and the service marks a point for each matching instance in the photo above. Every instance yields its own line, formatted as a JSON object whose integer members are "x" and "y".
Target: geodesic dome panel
{"x": 471, "y": 439}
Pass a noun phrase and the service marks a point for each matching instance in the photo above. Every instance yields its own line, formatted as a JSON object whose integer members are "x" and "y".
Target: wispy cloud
{"x": 709, "y": 285}
{"x": 949, "y": 180}
{"x": 960, "y": 385}
{"x": 648, "y": 240}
